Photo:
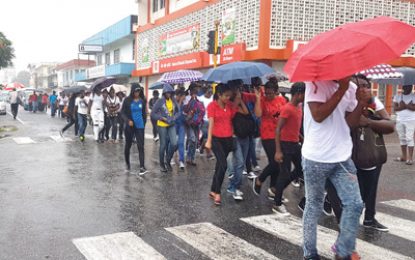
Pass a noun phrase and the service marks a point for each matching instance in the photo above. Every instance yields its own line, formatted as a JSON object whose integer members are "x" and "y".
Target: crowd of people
{"x": 328, "y": 136}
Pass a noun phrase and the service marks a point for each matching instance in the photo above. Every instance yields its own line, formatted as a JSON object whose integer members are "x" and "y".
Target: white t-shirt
{"x": 63, "y": 100}
{"x": 82, "y": 104}
{"x": 206, "y": 101}
{"x": 97, "y": 102}
{"x": 329, "y": 141}
{"x": 379, "y": 105}
{"x": 405, "y": 115}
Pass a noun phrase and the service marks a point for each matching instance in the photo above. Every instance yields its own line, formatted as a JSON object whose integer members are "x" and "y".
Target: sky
{"x": 50, "y": 30}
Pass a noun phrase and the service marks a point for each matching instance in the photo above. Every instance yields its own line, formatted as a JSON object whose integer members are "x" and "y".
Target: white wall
{"x": 142, "y": 12}
{"x": 126, "y": 51}
{"x": 179, "y": 4}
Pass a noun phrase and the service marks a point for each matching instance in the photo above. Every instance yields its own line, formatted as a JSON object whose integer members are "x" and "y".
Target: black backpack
{"x": 243, "y": 125}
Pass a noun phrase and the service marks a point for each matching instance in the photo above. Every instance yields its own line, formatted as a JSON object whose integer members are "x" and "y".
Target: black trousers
{"x": 71, "y": 121}
{"x": 15, "y": 109}
{"x": 292, "y": 154}
{"x": 155, "y": 128}
{"x": 120, "y": 125}
{"x": 221, "y": 148}
{"x": 273, "y": 168}
{"x": 139, "y": 136}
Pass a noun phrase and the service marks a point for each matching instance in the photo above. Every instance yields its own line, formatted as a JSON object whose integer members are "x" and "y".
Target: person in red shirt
{"x": 268, "y": 108}
{"x": 45, "y": 99}
{"x": 287, "y": 145}
{"x": 34, "y": 101}
{"x": 220, "y": 133}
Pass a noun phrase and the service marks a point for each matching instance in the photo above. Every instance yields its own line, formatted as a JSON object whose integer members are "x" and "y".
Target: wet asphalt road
{"x": 52, "y": 192}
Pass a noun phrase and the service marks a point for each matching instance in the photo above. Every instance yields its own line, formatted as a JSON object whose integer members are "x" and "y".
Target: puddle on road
{"x": 7, "y": 128}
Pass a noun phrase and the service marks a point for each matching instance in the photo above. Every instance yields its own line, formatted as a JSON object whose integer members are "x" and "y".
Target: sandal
{"x": 409, "y": 162}
{"x": 217, "y": 200}
{"x": 212, "y": 195}
{"x": 399, "y": 159}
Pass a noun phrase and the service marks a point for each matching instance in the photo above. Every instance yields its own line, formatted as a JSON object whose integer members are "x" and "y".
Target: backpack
{"x": 243, "y": 125}
{"x": 195, "y": 111}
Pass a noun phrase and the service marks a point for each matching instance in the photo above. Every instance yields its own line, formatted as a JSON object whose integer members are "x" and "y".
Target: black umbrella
{"x": 102, "y": 83}
{"x": 157, "y": 85}
{"x": 408, "y": 75}
{"x": 75, "y": 89}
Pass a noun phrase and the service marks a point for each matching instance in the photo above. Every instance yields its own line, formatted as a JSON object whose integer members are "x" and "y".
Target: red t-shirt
{"x": 270, "y": 112}
{"x": 290, "y": 132}
{"x": 222, "y": 118}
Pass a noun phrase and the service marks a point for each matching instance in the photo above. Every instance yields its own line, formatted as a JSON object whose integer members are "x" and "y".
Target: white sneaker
{"x": 239, "y": 192}
{"x": 244, "y": 172}
{"x": 172, "y": 162}
{"x": 156, "y": 139}
{"x": 295, "y": 183}
{"x": 281, "y": 210}
{"x": 237, "y": 195}
{"x": 257, "y": 168}
{"x": 270, "y": 193}
{"x": 251, "y": 175}
{"x": 181, "y": 165}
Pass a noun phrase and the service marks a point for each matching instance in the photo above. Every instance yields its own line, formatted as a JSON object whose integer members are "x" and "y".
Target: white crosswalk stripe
{"x": 216, "y": 243}
{"x": 60, "y": 139}
{"x": 402, "y": 204}
{"x": 24, "y": 140}
{"x": 397, "y": 226}
{"x": 125, "y": 246}
{"x": 290, "y": 229}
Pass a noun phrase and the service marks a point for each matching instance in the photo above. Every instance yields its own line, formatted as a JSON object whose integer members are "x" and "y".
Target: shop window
{"x": 99, "y": 59}
{"x": 158, "y": 5}
{"x": 116, "y": 56}
{"x": 107, "y": 58}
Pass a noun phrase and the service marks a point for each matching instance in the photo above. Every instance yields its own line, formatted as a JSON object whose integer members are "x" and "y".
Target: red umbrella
{"x": 14, "y": 85}
{"x": 350, "y": 48}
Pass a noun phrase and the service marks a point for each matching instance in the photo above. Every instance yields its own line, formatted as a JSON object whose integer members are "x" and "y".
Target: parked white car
{"x": 3, "y": 105}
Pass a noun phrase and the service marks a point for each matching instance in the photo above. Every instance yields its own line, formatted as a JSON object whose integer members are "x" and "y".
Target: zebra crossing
{"x": 215, "y": 243}
{"x": 55, "y": 138}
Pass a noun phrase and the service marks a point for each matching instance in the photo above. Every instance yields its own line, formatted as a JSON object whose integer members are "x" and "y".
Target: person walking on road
{"x": 166, "y": 111}
{"x": 134, "y": 113}
{"x": 71, "y": 115}
{"x": 331, "y": 109}
{"x": 404, "y": 105}
{"x": 96, "y": 113}
{"x": 34, "y": 101}
{"x": 45, "y": 99}
{"x": 181, "y": 126}
{"x": 52, "y": 103}
{"x": 120, "y": 120}
{"x": 220, "y": 134}
{"x": 152, "y": 102}
{"x": 81, "y": 111}
{"x": 113, "y": 105}
{"x": 206, "y": 99}
{"x": 15, "y": 101}
{"x": 288, "y": 149}
{"x": 62, "y": 101}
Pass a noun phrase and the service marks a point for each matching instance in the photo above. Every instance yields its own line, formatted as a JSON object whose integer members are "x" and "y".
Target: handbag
{"x": 369, "y": 148}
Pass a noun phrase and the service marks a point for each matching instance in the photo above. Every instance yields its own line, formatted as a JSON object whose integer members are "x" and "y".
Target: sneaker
{"x": 244, "y": 172}
{"x": 271, "y": 192}
{"x": 127, "y": 168}
{"x": 374, "y": 224}
{"x": 301, "y": 205}
{"x": 82, "y": 138}
{"x": 256, "y": 188}
{"x": 281, "y": 210}
{"x": 61, "y": 133}
{"x": 163, "y": 169}
{"x": 239, "y": 192}
{"x": 172, "y": 162}
{"x": 237, "y": 196}
{"x": 143, "y": 171}
{"x": 230, "y": 176}
{"x": 328, "y": 211}
{"x": 181, "y": 165}
{"x": 168, "y": 167}
{"x": 295, "y": 183}
{"x": 283, "y": 199}
{"x": 354, "y": 256}
{"x": 156, "y": 139}
{"x": 257, "y": 168}
{"x": 251, "y": 175}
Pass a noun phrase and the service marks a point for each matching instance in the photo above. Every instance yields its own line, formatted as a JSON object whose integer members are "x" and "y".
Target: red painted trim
{"x": 264, "y": 24}
{"x": 148, "y": 12}
{"x": 167, "y": 7}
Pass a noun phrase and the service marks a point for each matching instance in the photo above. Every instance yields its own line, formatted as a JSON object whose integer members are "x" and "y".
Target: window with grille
{"x": 116, "y": 56}
{"x": 155, "y": 5}
{"x": 107, "y": 58}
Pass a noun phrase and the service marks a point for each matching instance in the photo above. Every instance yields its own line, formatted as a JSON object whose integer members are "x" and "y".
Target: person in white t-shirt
{"x": 112, "y": 103}
{"x": 96, "y": 112}
{"x": 206, "y": 99}
{"x": 330, "y": 109}
{"x": 81, "y": 110}
{"x": 404, "y": 105}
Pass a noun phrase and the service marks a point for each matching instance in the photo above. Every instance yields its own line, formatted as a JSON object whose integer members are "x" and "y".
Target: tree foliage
{"x": 6, "y": 52}
{"x": 23, "y": 77}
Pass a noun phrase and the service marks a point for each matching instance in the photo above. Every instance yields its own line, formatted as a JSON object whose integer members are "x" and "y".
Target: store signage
{"x": 186, "y": 39}
{"x": 188, "y": 61}
{"x": 96, "y": 72}
{"x": 230, "y": 53}
{"x": 228, "y": 26}
{"x": 90, "y": 48}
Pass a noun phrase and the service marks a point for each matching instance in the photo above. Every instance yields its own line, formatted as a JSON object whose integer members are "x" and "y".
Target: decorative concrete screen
{"x": 246, "y": 29}
{"x": 302, "y": 19}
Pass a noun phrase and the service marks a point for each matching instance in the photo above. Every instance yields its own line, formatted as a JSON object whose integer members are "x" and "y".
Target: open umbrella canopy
{"x": 118, "y": 88}
{"x": 383, "y": 74}
{"x": 238, "y": 70}
{"x": 408, "y": 75}
{"x": 350, "y": 48}
{"x": 181, "y": 76}
{"x": 157, "y": 85}
{"x": 102, "y": 83}
{"x": 75, "y": 89}
{"x": 14, "y": 85}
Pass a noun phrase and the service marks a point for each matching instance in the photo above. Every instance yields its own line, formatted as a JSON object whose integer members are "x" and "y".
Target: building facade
{"x": 173, "y": 34}
{"x": 44, "y": 75}
{"x": 117, "y": 56}
{"x": 67, "y": 72}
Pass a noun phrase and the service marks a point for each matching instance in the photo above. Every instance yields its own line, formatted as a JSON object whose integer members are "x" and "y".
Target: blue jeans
{"x": 82, "y": 122}
{"x": 168, "y": 143}
{"x": 236, "y": 163}
{"x": 343, "y": 176}
{"x": 181, "y": 132}
{"x": 193, "y": 138}
{"x": 34, "y": 106}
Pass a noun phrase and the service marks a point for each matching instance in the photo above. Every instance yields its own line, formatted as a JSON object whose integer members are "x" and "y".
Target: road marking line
{"x": 397, "y": 226}
{"x": 23, "y": 140}
{"x": 402, "y": 204}
{"x": 17, "y": 118}
{"x": 290, "y": 229}
{"x": 60, "y": 139}
{"x": 216, "y": 243}
{"x": 116, "y": 246}
{"x": 148, "y": 136}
